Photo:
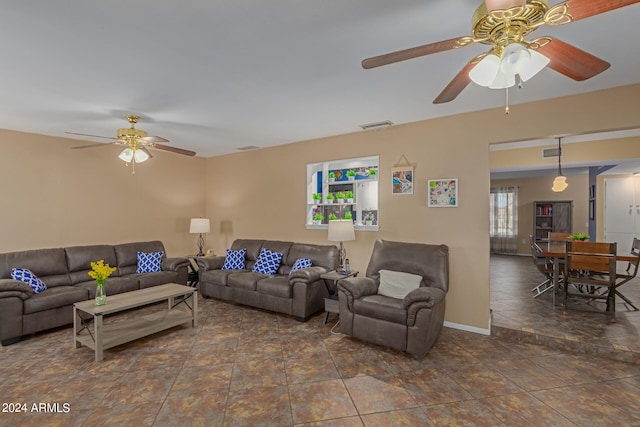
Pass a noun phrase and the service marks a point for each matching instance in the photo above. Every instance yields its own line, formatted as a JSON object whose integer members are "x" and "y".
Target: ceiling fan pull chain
{"x": 506, "y": 109}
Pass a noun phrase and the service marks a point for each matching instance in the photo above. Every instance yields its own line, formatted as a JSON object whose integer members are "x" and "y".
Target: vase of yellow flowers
{"x": 100, "y": 272}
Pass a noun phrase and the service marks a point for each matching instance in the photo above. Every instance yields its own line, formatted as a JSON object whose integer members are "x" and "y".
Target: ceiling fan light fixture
{"x": 140, "y": 156}
{"x": 537, "y": 64}
{"x": 515, "y": 58}
{"x": 503, "y": 4}
{"x": 485, "y": 71}
{"x": 126, "y": 155}
{"x": 503, "y": 81}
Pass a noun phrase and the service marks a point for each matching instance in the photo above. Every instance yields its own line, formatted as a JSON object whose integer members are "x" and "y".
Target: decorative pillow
{"x": 25, "y": 275}
{"x": 268, "y": 262}
{"x": 149, "y": 262}
{"x": 301, "y": 263}
{"x": 234, "y": 259}
{"x": 396, "y": 284}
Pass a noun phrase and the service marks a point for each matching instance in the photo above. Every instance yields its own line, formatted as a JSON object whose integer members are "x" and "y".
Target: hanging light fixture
{"x": 560, "y": 182}
{"x": 499, "y": 71}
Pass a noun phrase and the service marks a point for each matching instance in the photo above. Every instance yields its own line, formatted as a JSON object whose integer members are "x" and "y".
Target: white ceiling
{"x": 214, "y": 76}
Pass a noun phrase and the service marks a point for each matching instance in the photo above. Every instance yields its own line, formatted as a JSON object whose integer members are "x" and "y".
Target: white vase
{"x": 368, "y": 223}
{"x": 350, "y": 201}
{"x": 351, "y": 178}
{"x": 340, "y": 201}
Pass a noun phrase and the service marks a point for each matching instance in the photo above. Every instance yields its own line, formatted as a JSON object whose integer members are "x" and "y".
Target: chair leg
{"x": 547, "y": 285}
{"x": 627, "y": 300}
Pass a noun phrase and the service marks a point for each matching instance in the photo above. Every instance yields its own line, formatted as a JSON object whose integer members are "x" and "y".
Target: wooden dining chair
{"x": 630, "y": 273}
{"x": 544, "y": 266}
{"x": 558, "y": 237}
{"x": 590, "y": 267}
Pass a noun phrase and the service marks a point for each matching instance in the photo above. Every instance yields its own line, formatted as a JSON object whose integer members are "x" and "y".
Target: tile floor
{"x": 247, "y": 367}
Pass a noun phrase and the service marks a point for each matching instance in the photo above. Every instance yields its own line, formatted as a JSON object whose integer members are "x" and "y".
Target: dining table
{"x": 555, "y": 250}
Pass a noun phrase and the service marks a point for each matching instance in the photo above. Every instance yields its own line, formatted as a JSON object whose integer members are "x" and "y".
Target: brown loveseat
{"x": 411, "y": 323}
{"x": 299, "y": 293}
{"x": 64, "y": 271}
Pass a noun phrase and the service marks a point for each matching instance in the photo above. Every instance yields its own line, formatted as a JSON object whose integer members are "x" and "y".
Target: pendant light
{"x": 560, "y": 182}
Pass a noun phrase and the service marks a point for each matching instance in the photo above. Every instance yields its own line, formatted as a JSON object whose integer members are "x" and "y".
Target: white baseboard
{"x": 468, "y": 328}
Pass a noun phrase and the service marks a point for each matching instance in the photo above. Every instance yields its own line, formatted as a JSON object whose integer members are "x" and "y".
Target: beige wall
{"x": 53, "y": 196}
{"x": 261, "y": 194}
{"x": 539, "y": 189}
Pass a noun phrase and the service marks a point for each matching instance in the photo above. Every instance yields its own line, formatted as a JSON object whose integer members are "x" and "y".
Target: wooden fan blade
{"x": 457, "y": 85}
{"x": 173, "y": 149}
{"x": 414, "y": 52}
{"x": 154, "y": 139}
{"x": 93, "y": 136}
{"x": 571, "y": 61}
{"x": 101, "y": 144}
{"x": 580, "y": 9}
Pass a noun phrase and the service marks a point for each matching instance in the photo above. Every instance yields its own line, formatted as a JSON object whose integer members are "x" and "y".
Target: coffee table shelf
{"x": 123, "y": 331}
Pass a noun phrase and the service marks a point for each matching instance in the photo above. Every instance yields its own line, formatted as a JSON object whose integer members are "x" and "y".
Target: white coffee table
{"x": 111, "y": 335}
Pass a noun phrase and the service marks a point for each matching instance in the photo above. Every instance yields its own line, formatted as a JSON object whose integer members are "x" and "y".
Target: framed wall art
{"x": 443, "y": 193}
{"x": 402, "y": 180}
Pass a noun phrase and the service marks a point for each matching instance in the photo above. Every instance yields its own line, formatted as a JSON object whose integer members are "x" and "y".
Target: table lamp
{"x": 341, "y": 230}
{"x": 199, "y": 226}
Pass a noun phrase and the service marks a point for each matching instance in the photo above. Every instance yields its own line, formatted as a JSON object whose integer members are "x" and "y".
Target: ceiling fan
{"x": 512, "y": 59}
{"x": 136, "y": 143}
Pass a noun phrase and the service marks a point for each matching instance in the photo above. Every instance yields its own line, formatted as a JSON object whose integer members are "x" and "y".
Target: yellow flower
{"x": 100, "y": 271}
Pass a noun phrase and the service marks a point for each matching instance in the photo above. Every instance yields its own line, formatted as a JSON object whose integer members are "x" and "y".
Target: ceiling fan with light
{"x": 512, "y": 59}
{"x": 136, "y": 143}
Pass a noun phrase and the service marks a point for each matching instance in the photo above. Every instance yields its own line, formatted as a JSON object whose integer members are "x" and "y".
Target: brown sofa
{"x": 300, "y": 293}
{"x": 64, "y": 271}
{"x": 410, "y": 324}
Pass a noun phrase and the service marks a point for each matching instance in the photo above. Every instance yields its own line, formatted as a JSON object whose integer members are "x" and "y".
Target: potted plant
{"x": 579, "y": 236}
{"x": 349, "y": 196}
{"x": 340, "y": 197}
{"x": 330, "y": 198}
{"x": 373, "y": 173}
{"x": 347, "y": 215}
{"x": 317, "y": 218}
{"x": 317, "y": 197}
{"x": 351, "y": 175}
{"x": 332, "y": 217}
{"x": 332, "y": 176}
{"x": 368, "y": 219}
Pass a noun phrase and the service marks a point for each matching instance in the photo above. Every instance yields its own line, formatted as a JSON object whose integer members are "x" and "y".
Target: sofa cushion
{"x": 127, "y": 254}
{"x": 381, "y": 307}
{"x": 113, "y": 285}
{"x": 147, "y": 280}
{"x": 79, "y": 259}
{"x": 277, "y": 286}
{"x": 216, "y": 277}
{"x": 50, "y": 265}
{"x": 251, "y": 245}
{"x": 301, "y": 263}
{"x": 323, "y": 255}
{"x": 246, "y": 280}
{"x": 25, "y": 275}
{"x": 59, "y": 296}
{"x": 268, "y": 262}
{"x": 397, "y": 284}
{"x": 149, "y": 262}
{"x": 235, "y": 259}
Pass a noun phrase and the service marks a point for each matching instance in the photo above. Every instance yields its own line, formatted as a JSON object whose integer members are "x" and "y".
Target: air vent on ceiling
{"x": 550, "y": 152}
{"x": 248, "y": 147}
{"x": 377, "y": 124}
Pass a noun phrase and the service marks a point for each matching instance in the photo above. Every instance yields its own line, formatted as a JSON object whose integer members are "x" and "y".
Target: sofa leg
{"x": 302, "y": 319}
{"x": 10, "y": 341}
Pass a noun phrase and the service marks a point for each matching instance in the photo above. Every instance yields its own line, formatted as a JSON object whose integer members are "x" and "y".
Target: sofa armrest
{"x": 357, "y": 287}
{"x": 306, "y": 275}
{"x": 173, "y": 264}
{"x": 15, "y": 288}
{"x": 428, "y": 296}
{"x": 210, "y": 262}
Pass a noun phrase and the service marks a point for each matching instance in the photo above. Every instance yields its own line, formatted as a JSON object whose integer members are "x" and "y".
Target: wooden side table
{"x": 331, "y": 279}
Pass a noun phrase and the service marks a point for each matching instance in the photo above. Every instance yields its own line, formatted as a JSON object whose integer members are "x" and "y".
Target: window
{"x": 503, "y": 218}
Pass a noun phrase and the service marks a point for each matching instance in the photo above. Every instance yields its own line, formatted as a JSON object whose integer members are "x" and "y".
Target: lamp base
{"x": 200, "y": 245}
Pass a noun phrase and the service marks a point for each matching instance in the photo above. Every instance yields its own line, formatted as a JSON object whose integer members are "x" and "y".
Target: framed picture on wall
{"x": 443, "y": 193}
{"x": 402, "y": 180}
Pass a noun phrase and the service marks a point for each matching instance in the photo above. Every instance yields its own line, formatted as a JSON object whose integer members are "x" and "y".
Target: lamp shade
{"x": 199, "y": 225}
{"x": 126, "y": 155}
{"x": 341, "y": 230}
{"x": 485, "y": 71}
{"x": 140, "y": 155}
{"x": 559, "y": 184}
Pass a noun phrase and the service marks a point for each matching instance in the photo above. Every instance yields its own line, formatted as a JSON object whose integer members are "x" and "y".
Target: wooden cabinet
{"x": 621, "y": 211}
{"x": 551, "y": 216}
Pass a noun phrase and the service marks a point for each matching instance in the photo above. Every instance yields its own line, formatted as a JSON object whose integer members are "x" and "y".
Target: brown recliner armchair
{"x": 410, "y": 324}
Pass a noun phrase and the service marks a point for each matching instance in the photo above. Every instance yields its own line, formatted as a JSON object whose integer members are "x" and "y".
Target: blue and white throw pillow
{"x": 149, "y": 262}
{"x": 301, "y": 263}
{"x": 268, "y": 262}
{"x": 25, "y": 275}
{"x": 234, "y": 259}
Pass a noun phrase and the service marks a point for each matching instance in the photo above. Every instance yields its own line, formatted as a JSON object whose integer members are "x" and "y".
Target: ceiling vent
{"x": 550, "y": 152}
{"x": 376, "y": 125}
{"x": 248, "y": 147}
